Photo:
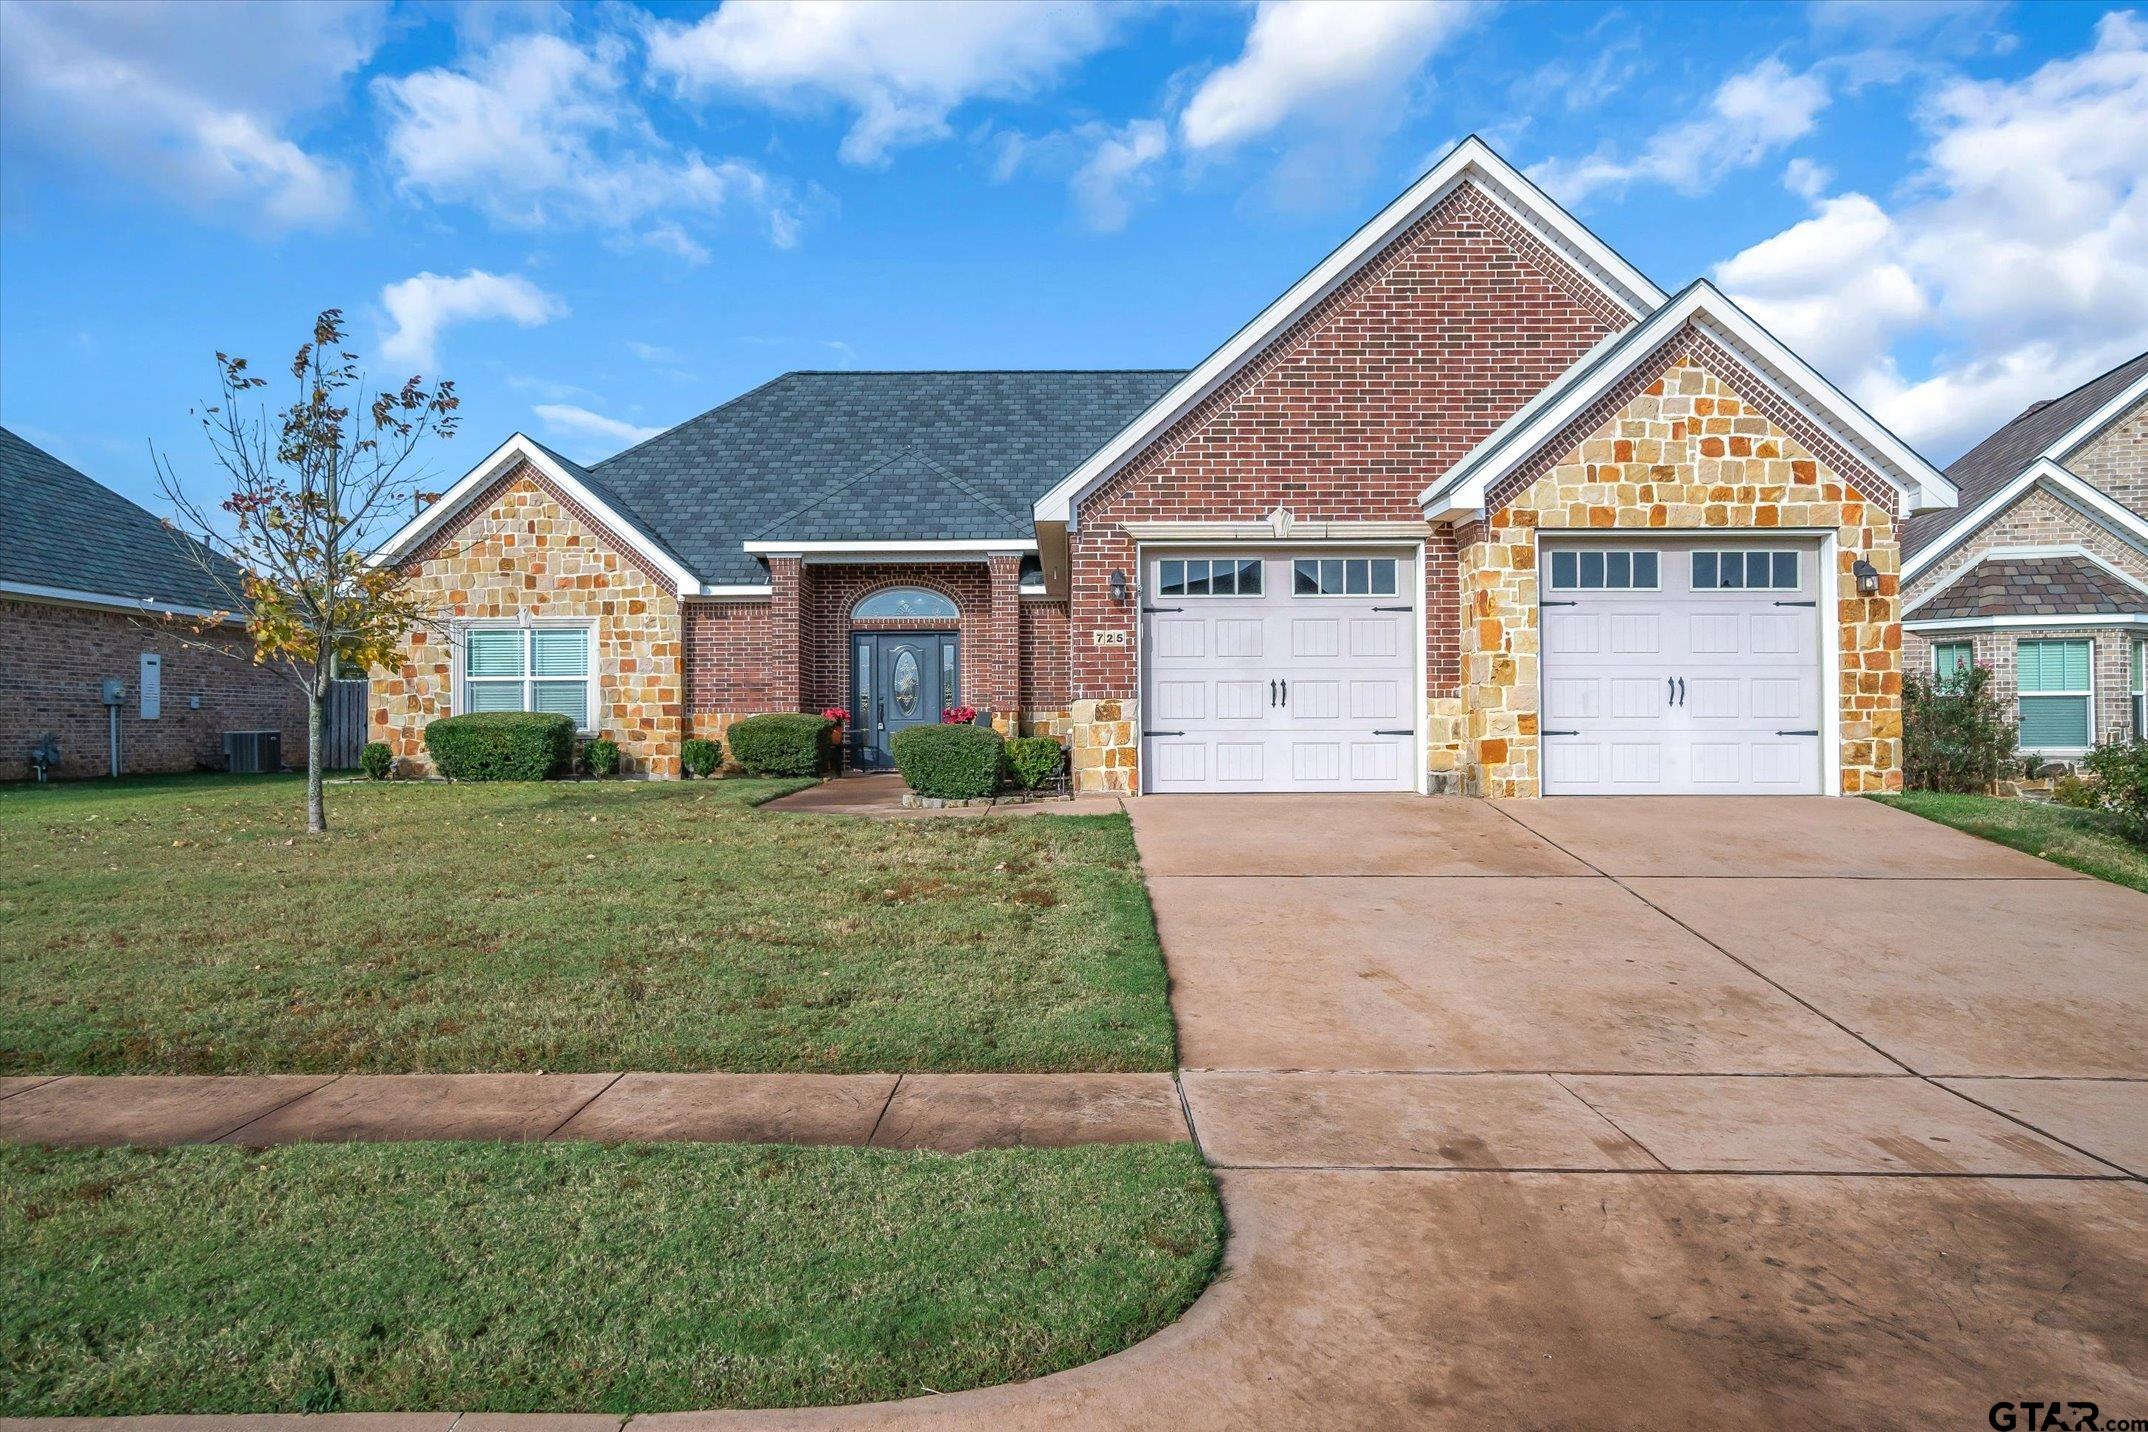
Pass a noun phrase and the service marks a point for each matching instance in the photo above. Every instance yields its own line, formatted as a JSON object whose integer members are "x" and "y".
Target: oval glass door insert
{"x": 906, "y": 681}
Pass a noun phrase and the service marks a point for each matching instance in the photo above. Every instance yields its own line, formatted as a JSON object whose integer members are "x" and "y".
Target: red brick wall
{"x": 53, "y": 662}
{"x": 1044, "y": 656}
{"x": 825, "y": 626}
{"x": 1353, "y": 411}
{"x": 728, "y": 657}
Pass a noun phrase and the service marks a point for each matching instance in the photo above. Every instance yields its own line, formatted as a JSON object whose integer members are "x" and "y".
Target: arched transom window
{"x": 910, "y": 603}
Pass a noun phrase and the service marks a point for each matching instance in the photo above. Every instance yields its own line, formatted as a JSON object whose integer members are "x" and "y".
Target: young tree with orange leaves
{"x": 315, "y": 487}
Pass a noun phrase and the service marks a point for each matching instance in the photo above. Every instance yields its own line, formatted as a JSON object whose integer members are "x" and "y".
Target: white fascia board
{"x": 2062, "y": 448}
{"x": 1470, "y": 161}
{"x": 2120, "y": 519}
{"x": 1011, "y": 547}
{"x": 2086, "y": 619}
{"x": 518, "y": 449}
{"x": 1462, "y": 491}
{"x": 729, "y": 591}
{"x": 106, "y": 601}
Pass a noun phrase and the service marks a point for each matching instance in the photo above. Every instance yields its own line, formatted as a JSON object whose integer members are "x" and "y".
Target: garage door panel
{"x": 1666, "y": 688}
{"x": 1316, "y": 700}
{"x": 1315, "y": 636}
{"x": 1244, "y": 637}
{"x": 1375, "y": 637}
{"x": 1179, "y": 638}
{"x": 1377, "y": 699}
{"x": 1375, "y": 762}
{"x": 1181, "y": 700}
{"x": 1237, "y": 701}
{"x": 1179, "y": 761}
{"x": 1316, "y": 763}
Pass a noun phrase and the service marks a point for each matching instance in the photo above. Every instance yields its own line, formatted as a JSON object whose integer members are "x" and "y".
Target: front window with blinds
{"x": 2055, "y": 694}
{"x": 528, "y": 669}
{"x": 1951, "y": 658}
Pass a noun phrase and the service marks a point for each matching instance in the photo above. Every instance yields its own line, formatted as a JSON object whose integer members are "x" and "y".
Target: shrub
{"x": 2120, "y": 769}
{"x": 955, "y": 763}
{"x": 1034, "y": 760}
{"x": 1956, "y": 735}
{"x": 701, "y": 757}
{"x": 376, "y": 760}
{"x": 601, "y": 756}
{"x": 2071, "y": 790}
{"x": 781, "y": 745}
{"x": 501, "y": 745}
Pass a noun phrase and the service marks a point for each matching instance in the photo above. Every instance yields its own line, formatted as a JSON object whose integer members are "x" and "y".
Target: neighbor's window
{"x": 2140, "y": 691}
{"x": 1343, "y": 576}
{"x": 1745, "y": 571}
{"x": 1949, "y": 657}
{"x": 527, "y": 669}
{"x": 1591, "y": 569}
{"x": 1208, "y": 577}
{"x": 904, "y": 602}
{"x": 2053, "y": 680}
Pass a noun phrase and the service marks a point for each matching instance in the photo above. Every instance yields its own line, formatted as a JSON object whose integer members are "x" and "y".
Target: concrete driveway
{"x": 1634, "y": 1113}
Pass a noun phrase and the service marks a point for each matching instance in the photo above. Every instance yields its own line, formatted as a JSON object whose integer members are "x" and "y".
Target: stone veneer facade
{"x": 524, "y": 552}
{"x": 1685, "y": 453}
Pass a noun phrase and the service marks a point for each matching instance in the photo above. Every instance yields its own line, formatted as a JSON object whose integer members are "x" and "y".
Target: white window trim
{"x": 1366, "y": 596}
{"x": 1253, "y": 557}
{"x": 1553, "y": 584}
{"x": 2137, "y": 688}
{"x": 593, "y": 698}
{"x": 2086, "y": 694}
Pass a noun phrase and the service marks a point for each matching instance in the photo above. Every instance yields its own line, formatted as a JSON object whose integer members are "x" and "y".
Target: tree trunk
{"x": 316, "y": 735}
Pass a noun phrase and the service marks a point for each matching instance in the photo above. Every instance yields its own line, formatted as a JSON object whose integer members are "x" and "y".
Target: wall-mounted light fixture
{"x": 1867, "y": 577}
{"x": 1118, "y": 585}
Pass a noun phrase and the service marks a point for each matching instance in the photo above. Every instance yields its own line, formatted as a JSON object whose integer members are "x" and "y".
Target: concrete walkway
{"x": 1622, "y": 1113}
{"x": 952, "y": 1113}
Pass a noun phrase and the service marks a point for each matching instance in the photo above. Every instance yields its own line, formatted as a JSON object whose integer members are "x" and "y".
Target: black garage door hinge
{"x": 1394, "y": 609}
{"x": 1797, "y": 733}
{"x": 1163, "y": 609}
{"x": 1558, "y": 733}
{"x": 1797, "y": 604}
{"x": 1163, "y": 733}
{"x": 1558, "y": 604}
{"x": 1400, "y": 731}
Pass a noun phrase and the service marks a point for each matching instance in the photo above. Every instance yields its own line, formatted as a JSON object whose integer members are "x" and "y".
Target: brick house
{"x": 94, "y": 589}
{"x": 1472, "y": 507}
{"x": 2041, "y": 573}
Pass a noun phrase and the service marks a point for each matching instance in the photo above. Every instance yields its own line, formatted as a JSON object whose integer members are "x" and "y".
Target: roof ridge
{"x": 956, "y": 482}
{"x": 2078, "y": 387}
{"x": 847, "y": 483}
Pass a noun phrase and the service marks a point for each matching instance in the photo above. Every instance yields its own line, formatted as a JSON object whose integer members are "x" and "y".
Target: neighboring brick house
{"x": 1312, "y": 562}
{"x": 94, "y": 589}
{"x": 2041, "y": 573}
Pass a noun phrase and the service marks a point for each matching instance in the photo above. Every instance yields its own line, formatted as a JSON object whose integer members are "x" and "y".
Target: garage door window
{"x": 2053, "y": 679}
{"x": 1606, "y": 570}
{"x": 1745, "y": 571}
{"x": 1343, "y": 577}
{"x": 1209, "y": 577}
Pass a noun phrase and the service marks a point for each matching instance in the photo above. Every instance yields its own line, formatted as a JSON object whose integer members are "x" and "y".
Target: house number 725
{"x": 1108, "y": 638}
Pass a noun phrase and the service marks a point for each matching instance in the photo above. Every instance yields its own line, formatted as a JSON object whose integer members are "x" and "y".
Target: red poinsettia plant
{"x": 840, "y": 715}
{"x": 958, "y": 716}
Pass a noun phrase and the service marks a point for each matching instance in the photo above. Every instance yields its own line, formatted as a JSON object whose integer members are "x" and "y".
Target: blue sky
{"x": 601, "y": 220}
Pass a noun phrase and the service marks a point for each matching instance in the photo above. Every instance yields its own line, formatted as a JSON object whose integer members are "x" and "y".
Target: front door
{"x": 901, "y": 679}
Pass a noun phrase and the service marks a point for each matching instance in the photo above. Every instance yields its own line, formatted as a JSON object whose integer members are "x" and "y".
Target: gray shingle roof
{"x": 2009, "y": 452}
{"x": 2031, "y": 587}
{"x": 64, "y": 529}
{"x": 868, "y": 457}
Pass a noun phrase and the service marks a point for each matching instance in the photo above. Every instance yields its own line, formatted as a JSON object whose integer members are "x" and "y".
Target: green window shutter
{"x": 493, "y": 653}
{"x": 559, "y": 653}
{"x": 2052, "y": 666}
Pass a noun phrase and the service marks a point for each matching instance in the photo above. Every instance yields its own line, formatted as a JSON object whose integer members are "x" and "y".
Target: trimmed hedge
{"x": 601, "y": 756}
{"x": 955, "y": 763}
{"x": 376, "y": 760}
{"x": 701, "y": 757}
{"x": 501, "y": 745}
{"x": 786, "y": 744}
{"x": 1034, "y": 760}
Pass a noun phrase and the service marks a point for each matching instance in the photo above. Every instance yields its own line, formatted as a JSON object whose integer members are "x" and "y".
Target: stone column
{"x": 786, "y": 677}
{"x": 997, "y": 683}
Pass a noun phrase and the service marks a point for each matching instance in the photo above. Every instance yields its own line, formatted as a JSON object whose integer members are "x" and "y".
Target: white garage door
{"x": 1675, "y": 668}
{"x": 1279, "y": 671}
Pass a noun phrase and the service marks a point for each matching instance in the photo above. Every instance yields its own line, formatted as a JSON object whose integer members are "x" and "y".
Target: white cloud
{"x": 902, "y": 65}
{"x": 2025, "y": 238}
{"x": 539, "y": 128}
{"x": 1750, "y": 116}
{"x": 651, "y": 352}
{"x": 1325, "y": 60}
{"x": 580, "y": 422}
{"x": 1807, "y": 178}
{"x": 1121, "y": 164}
{"x": 426, "y": 305}
{"x": 195, "y": 100}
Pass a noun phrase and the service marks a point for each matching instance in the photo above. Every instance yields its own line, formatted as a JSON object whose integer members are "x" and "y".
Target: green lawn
{"x": 555, "y": 1277}
{"x": 2084, "y": 840}
{"x": 188, "y": 925}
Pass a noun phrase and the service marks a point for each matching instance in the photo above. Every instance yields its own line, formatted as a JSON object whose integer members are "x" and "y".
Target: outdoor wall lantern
{"x": 1867, "y": 577}
{"x": 1118, "y": 585}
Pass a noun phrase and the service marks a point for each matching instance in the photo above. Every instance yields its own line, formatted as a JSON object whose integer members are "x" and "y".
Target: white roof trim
{"x": 2097, "y": 421}
{"x": 954, "y": 546}
{"x": 2001, "y": 554}
{"x": 146, "y": 606}
{"x": 1471, "y": 161}
{"x": 2087, "y": 619}
{"x": 2092, "y": 499}
{"x": 519, "y": 449}
{"x": 722, "y": 592}
{"x": 1299, "y": 533}
{"x": 1462, "y": 491}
